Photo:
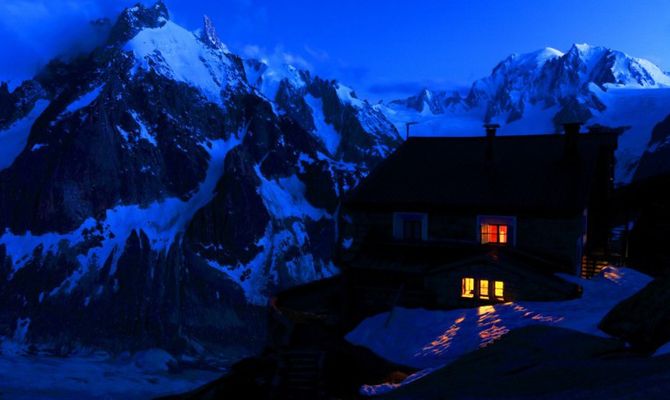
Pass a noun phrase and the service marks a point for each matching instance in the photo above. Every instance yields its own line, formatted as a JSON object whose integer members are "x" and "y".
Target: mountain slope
{"x": 152, "y": 194}
{"x": 538, "y": 91}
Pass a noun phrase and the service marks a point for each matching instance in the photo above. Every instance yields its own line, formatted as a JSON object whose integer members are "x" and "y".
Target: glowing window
{"x": 502, "y": 234}
{"x": 484, "y": 289}
{"x": 499, "y": 290}
{"x": 494, "y": 233}
{"x": 468, "y": 288}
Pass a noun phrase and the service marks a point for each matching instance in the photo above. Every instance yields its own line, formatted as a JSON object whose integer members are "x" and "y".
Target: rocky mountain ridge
{"x": 152, "y": 195}
{"x": 538, "y": 91}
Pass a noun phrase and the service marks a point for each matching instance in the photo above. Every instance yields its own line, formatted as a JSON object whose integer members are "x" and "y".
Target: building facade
{"x": 465, "y": 221}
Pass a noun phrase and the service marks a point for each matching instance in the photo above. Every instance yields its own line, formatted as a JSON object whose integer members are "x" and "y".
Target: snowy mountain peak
{"x": 267, "y": 76}
{"x": 532, "y": 60}
{"x": 208, "y": 35}
{"x": 180, "y": 182}
{"x": 198, "y": 59}
{"x": 133, "y": 19}
{"x": 583, "y": 47}
{"x": 604, "y": 66}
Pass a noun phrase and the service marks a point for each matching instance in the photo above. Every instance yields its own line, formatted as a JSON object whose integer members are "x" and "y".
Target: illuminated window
{"x": 484, "y": 289}
{"x": 494, "y": 233}
{"x": 502, "y": 234}
{"x": 499, "y": 290}
{"x": 468, "y": 288}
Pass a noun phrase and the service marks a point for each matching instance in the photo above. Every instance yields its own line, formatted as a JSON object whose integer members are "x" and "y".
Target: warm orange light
{"x": 485, "y": 310}
{"x": 484, "y": 289}
{"x": 502, "y": 234}
{"x": 468, "y": 288}
{"x": 491, "y": 233}
{"x": 499, "y": 290}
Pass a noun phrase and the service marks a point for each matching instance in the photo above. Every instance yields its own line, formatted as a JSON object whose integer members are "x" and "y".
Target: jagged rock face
{"x": 17, "y": 104}
{"x": 656, "y": 160}
{"x": 136, "y": 18}
{"x": 209, "y": 36}
{"x": 152, "y": 195}
{"x": 347, "y": 128}
{"x": 429, "y": 101}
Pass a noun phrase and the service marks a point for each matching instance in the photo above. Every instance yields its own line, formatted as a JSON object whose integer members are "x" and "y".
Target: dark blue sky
{"x": 381, "y": 48}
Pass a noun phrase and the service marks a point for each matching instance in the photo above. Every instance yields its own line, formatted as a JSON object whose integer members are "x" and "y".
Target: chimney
{"x": 490, "y": 134}
{"x": 491, "y": 129}
{"x": 571, "y": 130}
{"x": 407, "y": 125}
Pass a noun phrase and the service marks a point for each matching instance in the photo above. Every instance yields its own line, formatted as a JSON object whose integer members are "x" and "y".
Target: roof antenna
{"x": 407, "y": 125}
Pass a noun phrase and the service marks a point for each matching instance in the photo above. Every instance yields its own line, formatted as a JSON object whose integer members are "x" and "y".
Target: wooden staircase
{"x": 302, "y": 376}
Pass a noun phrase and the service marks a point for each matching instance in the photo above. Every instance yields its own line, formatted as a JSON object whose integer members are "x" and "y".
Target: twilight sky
{"x": 381, "y": 48}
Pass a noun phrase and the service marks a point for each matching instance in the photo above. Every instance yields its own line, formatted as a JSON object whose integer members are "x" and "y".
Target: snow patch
{"x": 346, "y": 96}
{"x": 84, "y": 100}
{"x": 665, "y": 349}
{"x": 285, "y": 198}
{"x": 259, "y": 276}
{"x": 154, "y": 360}
{"x": 324, "y": 131}
{"x": 13, "y": 139}
{"x": 144, "y": 133}
{"x": 38, "y": 146}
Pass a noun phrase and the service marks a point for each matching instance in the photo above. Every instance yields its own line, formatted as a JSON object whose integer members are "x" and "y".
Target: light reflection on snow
{"x": 442, "y": 343}
{"x": 612, "y": 274}
{"x": 490, "y": 325}
{"x": 427, "y": 339}
{"x": 535, "y": 316}
{"x": 423, "y": 338}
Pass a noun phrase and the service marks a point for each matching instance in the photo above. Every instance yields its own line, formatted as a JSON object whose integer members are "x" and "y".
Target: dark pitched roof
{"x": 529, "y": 173}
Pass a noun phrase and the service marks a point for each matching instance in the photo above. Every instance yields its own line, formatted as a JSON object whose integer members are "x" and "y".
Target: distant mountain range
{"x": 157, "y": 191}
{"x": 538, "y": 91}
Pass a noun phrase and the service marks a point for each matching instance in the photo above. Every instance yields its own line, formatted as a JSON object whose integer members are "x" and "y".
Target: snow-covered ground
{"x": 431, "y": 339}
{"x": 96, "y": 376}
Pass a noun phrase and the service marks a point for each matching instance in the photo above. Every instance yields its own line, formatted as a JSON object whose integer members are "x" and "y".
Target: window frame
{"x": 497, "y": 234}
{"x": 498, "y": 221}
{"x": 500, "y": 296}
{"x": 484, "y": 287}
{"x": 468, "y": 285}
{"x": 473, "y": 288}
{"x": 399, "y": 219}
